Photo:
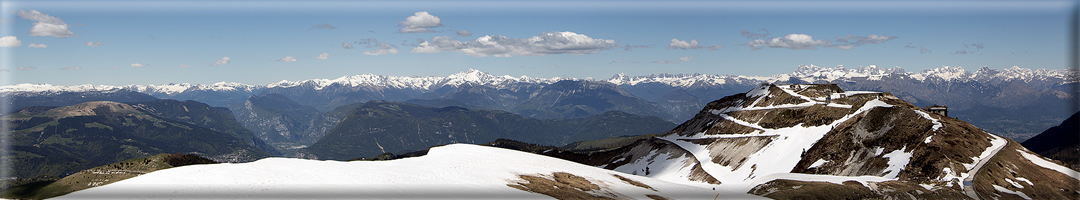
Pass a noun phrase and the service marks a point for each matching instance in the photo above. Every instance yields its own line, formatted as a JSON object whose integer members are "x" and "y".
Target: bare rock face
{"x": 809, "y": 140}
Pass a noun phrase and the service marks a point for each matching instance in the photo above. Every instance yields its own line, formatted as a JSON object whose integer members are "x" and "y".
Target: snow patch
{"x": 818, "y": 163}
{"x": 1024, "y": 180}
{"x": 898, "y": 160}
{"x": 1014, "y": 183}
{"x": 1049, "y": 165}
{"x": 937, "y": 124}
{"x": 1006, "y": 190}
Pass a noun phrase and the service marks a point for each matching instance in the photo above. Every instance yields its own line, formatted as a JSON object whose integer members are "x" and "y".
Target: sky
{"x": 262, "y": 42}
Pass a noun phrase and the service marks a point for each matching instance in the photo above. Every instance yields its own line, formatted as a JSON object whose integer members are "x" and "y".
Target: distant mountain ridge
{"x": 805, "y": 73}
{"x": 1014, "y": 102}
{"x": 59, "y": 141}
{"x": 378, "y": 127}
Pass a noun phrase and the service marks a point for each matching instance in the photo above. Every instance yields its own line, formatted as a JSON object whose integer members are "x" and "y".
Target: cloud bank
{"x": 502, "y": 46}
{"x": 807, "y": 42}
{"x": 693, "y": 44}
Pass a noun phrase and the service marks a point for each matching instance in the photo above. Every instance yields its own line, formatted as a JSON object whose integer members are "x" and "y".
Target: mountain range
{"x": 60, "y": 141}
{"x": 818, "y": 141}
{"x": 1016, "y": 102}
{"x": 796, "y": 141}
{"x": 378, "y": 127}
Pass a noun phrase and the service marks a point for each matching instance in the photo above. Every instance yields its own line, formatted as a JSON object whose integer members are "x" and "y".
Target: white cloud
{"x": 693, "y": 44}
{"x": 869, "y": 39}
{"x": 183, "y": 66}
{"x": 323, "y": 56}
{"x": 420, "y": 22}
{"x": 790, "y": 41}
{"x": 32, "y": 45}
{"x": 10, "y": 41}
{"x": 924, "y": 50}
{"x": 45, "y": 25}
{"x": 346, "y": 45}
{"x": 70, "y": 68}
{"x": 137, "y": 65}
{"x": 94, "y": 44}
{"x": 752, "y": 35}
{"x": 222, "y": 61}
{"x": 384, "y": 48}
{"x": 542, "y": 44}
{"x": 681, "y": 59}
{"x": 27, "y": 68}
{"x": 464, "y": 33}
{"x": 381, "y": 52}
{"x": 324, "y": 26}
{"x": 287, "y": 59}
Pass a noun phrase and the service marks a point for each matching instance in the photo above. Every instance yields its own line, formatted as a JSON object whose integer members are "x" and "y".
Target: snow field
{"x": 778, "y": 157}
{"x": 458, "y": 171}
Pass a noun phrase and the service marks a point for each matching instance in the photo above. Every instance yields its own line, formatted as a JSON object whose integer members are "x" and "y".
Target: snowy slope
{"x": 783, "y": 149}
{"x": 773, "y": 136}
{"x": 457, "y": 171}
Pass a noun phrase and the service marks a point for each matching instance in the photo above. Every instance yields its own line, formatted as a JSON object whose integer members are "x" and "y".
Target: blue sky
{"x": 179, "y": 41}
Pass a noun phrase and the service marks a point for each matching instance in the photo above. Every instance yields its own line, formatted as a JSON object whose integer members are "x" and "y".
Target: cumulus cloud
{"x": 94, "y": 44}
{"x": 790, "y": 41}
{"x": 138, "y": 65}
{"x": 287, "y": 59}
{"x": 924, "y": 50}
{"x": 686, "y": 58}
{"x": 27, "y": 68}
{"x": 464, "y": 33}
{"x": 10, "y": 41}
{"x": 420, "y": 22}
{"x": 346, "y": 45}
{"x": 693, "y": 44}
{"x": 222, "y": 61}
{"x": 70, "y": 68}
{"x": 323, "y": 26}
{"x": 383, "y": 48}
{"x": 752, "y": 35}
{"x": 909, "y": 46}
{"x": 32, "y": 45}
{"x": 542, "y": 44}
{"x": 183, "y": 66}
{"x": 45, "y": 25}
{"x": 323, "y": 56}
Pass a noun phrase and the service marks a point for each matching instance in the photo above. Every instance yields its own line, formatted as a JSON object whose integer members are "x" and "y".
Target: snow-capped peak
{"x": 804, "y": 73}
